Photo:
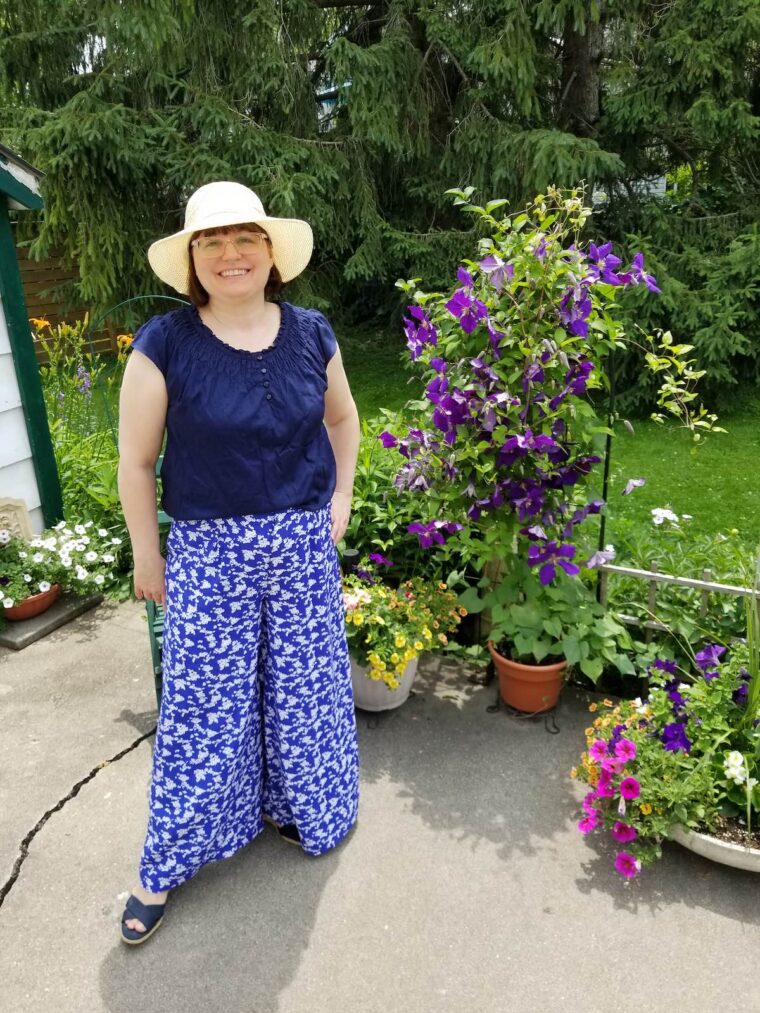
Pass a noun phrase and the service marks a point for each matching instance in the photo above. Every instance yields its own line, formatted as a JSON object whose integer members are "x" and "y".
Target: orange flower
{"x": 592, "y": 707}
{"x": 124, "y": 340}
{"x": 39, "y": 322}
{"x": 463, "y": 612}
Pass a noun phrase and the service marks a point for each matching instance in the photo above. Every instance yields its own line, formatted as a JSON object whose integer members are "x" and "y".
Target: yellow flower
{"x": 393, "y": 683}
{"x": 418, "y": 645}
{"x": 646, "y": 808}
{"x": 427, "y": 634}
{"x": 589, "y": 732}
{"x": 574, "y": 773}
{"x": 436, "y": 624}
{"x": 400, "y": 641}
{"x": 40, "y": 322}
{"x": 607, "y": 703}
{"x": 381, "y": 665}
{"x": 358, "y": 618}
{"x": 442, "y": 587}
{"x": 124, "y": 340}
{"x": 463, "y": 612}
{"x": 395, "y": 659}
{"x": 443, "y": 638}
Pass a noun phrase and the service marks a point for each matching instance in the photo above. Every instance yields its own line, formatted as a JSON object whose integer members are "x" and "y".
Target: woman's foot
{"x": 146, "y": 897}
{"x": 288, "y": 832}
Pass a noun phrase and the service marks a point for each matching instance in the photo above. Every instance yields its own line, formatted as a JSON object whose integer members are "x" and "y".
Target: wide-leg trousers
{"x": 257, "y": 714}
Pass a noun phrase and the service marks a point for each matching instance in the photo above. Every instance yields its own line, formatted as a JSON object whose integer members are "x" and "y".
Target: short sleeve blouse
{"x": 245, "y": 430}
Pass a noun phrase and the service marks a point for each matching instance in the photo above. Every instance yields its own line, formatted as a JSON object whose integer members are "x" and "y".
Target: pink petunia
{"x": 598, "y": 750}
{"x": 630, "y": 788}
{"x": 613, "y": 764}
{"x": 625, "y": 750}
{"x": 588, "y": 806}
{"x": 605, "y": 790}
{"x": 627, "y": 865}
{"x": 587, "y": 824}
{"x": 623, "y": 833}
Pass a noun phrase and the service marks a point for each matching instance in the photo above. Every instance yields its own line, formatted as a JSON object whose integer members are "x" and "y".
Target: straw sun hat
{"x": 220, "y": 204}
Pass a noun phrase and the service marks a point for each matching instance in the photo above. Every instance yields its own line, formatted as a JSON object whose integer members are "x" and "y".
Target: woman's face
{"x": 231, "y": 272}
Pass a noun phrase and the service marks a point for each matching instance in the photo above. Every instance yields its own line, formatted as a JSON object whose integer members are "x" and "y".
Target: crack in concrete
{"x": 24, "y": 846}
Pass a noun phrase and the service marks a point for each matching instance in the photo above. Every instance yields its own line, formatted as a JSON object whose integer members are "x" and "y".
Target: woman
{"x": 257, "y": 720}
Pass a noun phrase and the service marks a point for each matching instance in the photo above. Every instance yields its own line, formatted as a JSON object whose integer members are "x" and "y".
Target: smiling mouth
{"x": 234, "y": 272}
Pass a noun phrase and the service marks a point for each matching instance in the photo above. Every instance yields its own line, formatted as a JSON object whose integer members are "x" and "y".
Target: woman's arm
{"x": 342, "y": 424}
{"x": 142, "y": 419}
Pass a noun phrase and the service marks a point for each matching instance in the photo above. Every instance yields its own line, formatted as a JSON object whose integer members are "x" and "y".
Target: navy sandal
{"x": 151, "y": 915}
{"x": 288, "y": 833}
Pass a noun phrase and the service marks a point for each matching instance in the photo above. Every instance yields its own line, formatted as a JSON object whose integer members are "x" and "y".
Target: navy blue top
{"x": 245, "y": 430}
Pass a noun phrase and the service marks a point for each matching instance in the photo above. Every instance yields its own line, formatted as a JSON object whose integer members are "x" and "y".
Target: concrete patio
{"x": 464, "y": 886}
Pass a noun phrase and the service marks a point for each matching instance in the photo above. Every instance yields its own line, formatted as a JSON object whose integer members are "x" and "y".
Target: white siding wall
{"x": 17, "y": 477}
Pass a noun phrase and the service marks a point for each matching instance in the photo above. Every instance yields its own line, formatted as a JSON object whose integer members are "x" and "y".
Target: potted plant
{"x": 683, "y": 764}
{"x": 387, "y": 629}
{"x": 78, "y": 558}
{"x": 541, "y": 627}
{"x": 503, "y": 444}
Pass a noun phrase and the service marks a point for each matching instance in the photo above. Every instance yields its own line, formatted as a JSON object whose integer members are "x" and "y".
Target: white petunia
{"x": 37, "y": 557}
{"x": 66, "y": 561}
{"x": 28, "y": 578}
{"x": 44, "y": 585}
{"x": 36, "y": 543}
{"x": 89, "y": 524}
{"x": 81, "y": 573}
{"x": 79, "y": 529}
{"x": 102, "y": 532}
{"x": 91, "y": 556}
{"x": 116, "y": 541}
{"x": 5, "y": 537}
{"x": 59, "y": 526}
{"x": 660, "y": 514}
{"x": 100, "y": 579}
{"x": 49, "y": 543}
{"x": 84, "y": 540}
{"x": 108, "y": 557}
{"x": 23, "y": 555}
{"x": 8, "y": 603}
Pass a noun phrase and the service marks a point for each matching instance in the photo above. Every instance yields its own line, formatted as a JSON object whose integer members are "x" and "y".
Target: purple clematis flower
{"x": 600, "y": 557}
{"x": 637, "y": 274}
{"x": 388, "y": 440}
{"x": 631, "y": 484}
{"x": 375, "y": 557}
{"x": 602, "y": 264}
{"x": 498, "y": 272}
{"x": 574, "y": 310}
{"x": 419, "y": 331}
{"x": 549, "y": 557}
{"x": 432, "y": 532}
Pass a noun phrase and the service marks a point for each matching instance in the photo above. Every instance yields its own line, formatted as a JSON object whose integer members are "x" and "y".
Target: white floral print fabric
{"x": 257, "y": 714}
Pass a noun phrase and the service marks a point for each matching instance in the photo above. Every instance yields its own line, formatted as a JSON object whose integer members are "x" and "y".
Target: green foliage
{"x": 358, "y": 118}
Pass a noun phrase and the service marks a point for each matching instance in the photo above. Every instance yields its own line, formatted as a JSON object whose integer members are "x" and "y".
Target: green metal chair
{"x": 156, "y": 612}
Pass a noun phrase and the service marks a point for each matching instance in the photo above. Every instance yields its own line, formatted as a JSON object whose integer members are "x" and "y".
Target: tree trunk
{"x": 581, "y": 57}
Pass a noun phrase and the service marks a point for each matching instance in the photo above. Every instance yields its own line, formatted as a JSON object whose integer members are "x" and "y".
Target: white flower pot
{"x": 375, "y": 694}
{"x": 716, "y": 850}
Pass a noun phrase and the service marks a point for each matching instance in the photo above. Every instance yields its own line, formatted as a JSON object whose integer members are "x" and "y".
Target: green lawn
{"x": 719, "y": 485}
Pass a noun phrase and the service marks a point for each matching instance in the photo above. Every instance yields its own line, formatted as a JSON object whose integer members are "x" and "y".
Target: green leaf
{"x": 592, "y": 667}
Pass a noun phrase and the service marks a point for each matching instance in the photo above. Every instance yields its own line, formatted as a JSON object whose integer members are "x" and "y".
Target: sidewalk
{"x": 463, "y": 888}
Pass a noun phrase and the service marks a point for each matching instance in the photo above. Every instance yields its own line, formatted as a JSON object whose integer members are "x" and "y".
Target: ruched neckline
{"x": 242, "y": 352}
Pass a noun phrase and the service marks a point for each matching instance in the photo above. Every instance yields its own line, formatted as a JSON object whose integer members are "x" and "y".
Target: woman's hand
{"x": 341, "y": 511}
{"x": 150, "y": 579}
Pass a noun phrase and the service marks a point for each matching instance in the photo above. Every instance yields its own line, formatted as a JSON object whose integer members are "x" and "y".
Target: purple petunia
{"x": 674, "y": 738}
{"x": 375, "y": 557}
{"x": 708, "y": 658}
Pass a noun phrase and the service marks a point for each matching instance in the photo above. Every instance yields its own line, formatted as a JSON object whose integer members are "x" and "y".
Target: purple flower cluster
{"x": 708, "y": 659}
{"x": 531, "y": 469}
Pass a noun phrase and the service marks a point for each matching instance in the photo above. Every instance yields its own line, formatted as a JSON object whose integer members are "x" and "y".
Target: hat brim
{"x": 292, "y": 245}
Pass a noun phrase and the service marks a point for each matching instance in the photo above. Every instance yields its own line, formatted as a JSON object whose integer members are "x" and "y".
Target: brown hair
{"x": 196, "y": 291}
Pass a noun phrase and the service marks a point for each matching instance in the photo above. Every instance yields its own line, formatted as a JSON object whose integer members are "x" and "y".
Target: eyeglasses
{"x": 214, "y": 246}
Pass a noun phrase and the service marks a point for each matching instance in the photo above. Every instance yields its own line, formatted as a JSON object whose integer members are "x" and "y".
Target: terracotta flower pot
{"x": 32, "y": 606}
{"x": 528, "y": 688}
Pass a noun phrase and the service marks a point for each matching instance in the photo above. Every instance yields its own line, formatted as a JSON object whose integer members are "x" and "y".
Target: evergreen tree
{"x": 358, "y": 117}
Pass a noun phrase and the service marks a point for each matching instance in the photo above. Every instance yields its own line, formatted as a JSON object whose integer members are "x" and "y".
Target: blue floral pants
{"x": 257, "y": 714}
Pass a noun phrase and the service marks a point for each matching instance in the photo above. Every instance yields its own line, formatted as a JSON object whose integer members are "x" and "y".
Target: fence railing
{"x": 653, "y": 577}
